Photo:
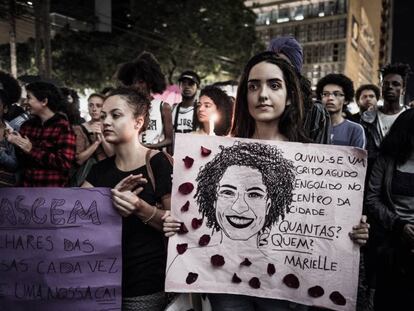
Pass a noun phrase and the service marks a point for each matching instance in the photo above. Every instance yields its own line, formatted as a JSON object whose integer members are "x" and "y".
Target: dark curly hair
{"x": 401, "y": 69}
{"x": 277, "y": 175}
{"x": 399, "y": 142}
{"x": 72, "y": 109}
{"x": 138, "y": 102}
{"x": 371, "y": 87}
{"x": 146, "y": 68}
{"x": 44, "y": 90}
{"x": 10, "y": 90}
{"x": 337, "y": 79}
{"x": 224, "y": 108}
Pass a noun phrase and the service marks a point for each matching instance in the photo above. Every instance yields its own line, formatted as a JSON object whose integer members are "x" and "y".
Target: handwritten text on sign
{"x": 60, "y": 249}
{"x": 267, "y": 219}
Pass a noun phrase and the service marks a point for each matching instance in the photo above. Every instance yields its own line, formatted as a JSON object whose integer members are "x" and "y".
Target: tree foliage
{"x": 210, "y": 37}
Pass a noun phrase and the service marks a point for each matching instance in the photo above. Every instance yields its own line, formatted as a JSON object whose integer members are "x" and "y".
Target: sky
{"x": 403, "y": 40}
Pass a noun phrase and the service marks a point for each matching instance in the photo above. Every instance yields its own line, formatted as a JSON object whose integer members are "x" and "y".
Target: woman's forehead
{"x": 241, "y": 175}
{"x": 115, "y": 102}
{"x": 265, "y": 71}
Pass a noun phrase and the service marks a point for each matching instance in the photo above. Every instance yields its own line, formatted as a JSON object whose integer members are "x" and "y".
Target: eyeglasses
{"x": 334, "y": 94}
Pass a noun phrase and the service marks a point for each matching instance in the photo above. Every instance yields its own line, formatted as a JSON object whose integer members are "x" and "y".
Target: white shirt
{"x": 387, "y": 120}
{"x": 184, "y": 119}
{"x": 155, "y": 130}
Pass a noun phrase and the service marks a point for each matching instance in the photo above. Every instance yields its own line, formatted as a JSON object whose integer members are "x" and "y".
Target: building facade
{"x": 340, "y": 36}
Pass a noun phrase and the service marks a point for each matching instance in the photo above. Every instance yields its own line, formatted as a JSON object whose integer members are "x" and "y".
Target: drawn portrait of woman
{"x": 245, "y": 188}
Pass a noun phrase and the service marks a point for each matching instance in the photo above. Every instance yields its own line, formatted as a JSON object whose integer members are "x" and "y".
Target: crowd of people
{"x": 128, "y": 141}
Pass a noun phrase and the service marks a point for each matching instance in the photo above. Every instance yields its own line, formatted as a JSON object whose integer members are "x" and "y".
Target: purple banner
{"x": 60, "y": 249}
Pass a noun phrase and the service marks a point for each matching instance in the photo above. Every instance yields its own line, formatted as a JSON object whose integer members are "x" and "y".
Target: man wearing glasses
{"x": 336, "y": 91}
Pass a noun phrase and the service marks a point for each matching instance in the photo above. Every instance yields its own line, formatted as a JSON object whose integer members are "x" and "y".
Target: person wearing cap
{"x": 184, "y": 113}
{"x": 317, "y": 120}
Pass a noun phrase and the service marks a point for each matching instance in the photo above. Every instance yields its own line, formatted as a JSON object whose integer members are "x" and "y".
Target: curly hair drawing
{"x": 277, "y": 175}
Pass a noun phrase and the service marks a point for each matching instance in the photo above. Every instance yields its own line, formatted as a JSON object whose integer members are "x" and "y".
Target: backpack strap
{"x": 150, "y": 172}
{"x": 149, "y": 168}
{"x": 177, "y": 111}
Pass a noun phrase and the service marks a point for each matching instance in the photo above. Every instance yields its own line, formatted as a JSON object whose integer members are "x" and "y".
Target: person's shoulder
{"x": 32, "y": 121}
{"x": 156, "y": 102}
{"x": 57, "y": 119}
{"x": 354, "y": 125}
{"x": 158, "y": 157}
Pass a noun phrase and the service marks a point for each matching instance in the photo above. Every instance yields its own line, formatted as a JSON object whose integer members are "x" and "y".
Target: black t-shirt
{"x": 143, "y": 247}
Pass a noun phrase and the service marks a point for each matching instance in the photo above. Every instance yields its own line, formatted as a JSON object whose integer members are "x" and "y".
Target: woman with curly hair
{"x": 144, "y": 75}
{"x": 214, "y": 106}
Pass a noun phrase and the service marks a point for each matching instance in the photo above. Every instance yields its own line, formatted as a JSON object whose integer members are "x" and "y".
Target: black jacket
{"x": 369, "y": 121}
{"x": 380, "y": 207}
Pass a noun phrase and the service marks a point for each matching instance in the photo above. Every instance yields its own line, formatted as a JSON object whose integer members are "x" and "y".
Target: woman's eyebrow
{"x": 229, "y": 186}
{"x": 274, "y": 80}
{"x": 255, "y": 188}
{"x": 267, "y": 80}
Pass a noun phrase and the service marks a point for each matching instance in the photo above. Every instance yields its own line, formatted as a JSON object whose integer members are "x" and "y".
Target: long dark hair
{"x": 291, "y": 121}
{"x": 399, "y": 142}
{"x": 224, "y": 108}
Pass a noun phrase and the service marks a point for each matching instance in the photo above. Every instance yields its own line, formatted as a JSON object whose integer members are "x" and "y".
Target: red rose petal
{"x": 183, "y": 229}
{"x": 186, "y": 188}
{"x": 254, "y": 283}
{"x": 337, "y": 298}
{"x": 191, "y": 278}
{"x": 196, "y": 223}
{"x": 316, "y": 291}
{"x": 205, "y": 152}
{"x": 235, "y": 279}
{"x": 204, "y": 240}
{"x": 291, "y": 281}
{"x": 185, "y": 207}
{"x": 188, "y": 162}
{"x": 271, "y": 269}
{"x": 217, "y": 260}
{"x": 181, "y": 248}
{"x": 246, "y": 262}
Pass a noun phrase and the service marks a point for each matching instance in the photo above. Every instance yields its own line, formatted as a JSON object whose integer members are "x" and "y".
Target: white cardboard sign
{"x": 267, "y": 219}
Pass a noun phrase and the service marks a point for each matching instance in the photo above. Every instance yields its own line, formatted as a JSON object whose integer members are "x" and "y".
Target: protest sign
{"x": 60, "y": 249}
{"x": 267, "y": 219}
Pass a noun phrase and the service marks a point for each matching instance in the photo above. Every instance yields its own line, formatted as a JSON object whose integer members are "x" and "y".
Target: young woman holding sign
{"x": 269, "y": 106}
{"x": 214, "y": 112}
{"x": 124, "y": 116}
